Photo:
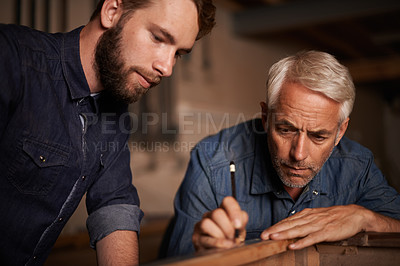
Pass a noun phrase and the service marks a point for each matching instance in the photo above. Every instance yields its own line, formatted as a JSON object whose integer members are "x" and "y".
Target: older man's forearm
{"x": 380, "y": 223}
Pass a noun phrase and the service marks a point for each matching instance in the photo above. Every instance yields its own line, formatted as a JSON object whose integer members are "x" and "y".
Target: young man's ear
{"x": 110, "y": 13}
{"x": 342, "y": 130}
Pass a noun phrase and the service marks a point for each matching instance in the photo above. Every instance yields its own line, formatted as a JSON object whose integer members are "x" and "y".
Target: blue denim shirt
{"x": 349, "y": 176}
{"x": 49, "y": 158}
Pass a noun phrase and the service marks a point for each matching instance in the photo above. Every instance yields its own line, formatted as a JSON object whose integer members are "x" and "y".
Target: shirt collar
{"x": 264, "y": 179}
{"x": 72, "y": 66}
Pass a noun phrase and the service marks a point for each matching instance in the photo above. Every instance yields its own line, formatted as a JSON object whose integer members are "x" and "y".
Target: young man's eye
{"x": 157, "y": 38}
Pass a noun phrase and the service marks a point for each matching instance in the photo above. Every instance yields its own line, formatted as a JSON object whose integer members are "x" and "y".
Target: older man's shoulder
{"x": 351, "y": 149}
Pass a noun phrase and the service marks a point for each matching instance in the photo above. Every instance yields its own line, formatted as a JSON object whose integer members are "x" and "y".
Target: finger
{"x": 295, "y": 232}
{"x": 232, "y": 207}
{"x": 318, "y": 225}
{"x": 206, "y": 242}
{"x": 242, "y": 231}
{"x": 209, "y": 227}
{"x": 294, "y": 226}
{"x": 308, "y": 241}
{"x": 220, "y": 217}
{"x": 274, "y": 231}
{"x": 208, "y": 235}
{"x": 223, "y": 222}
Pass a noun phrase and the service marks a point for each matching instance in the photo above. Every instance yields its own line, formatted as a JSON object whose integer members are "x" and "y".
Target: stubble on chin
{"x": 289, "y": 180}
{"x": 131, "y": 93}
{"x": 293, "y": 180}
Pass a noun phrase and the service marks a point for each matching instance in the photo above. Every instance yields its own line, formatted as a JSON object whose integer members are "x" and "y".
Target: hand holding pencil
{"x": 223, "y": 227}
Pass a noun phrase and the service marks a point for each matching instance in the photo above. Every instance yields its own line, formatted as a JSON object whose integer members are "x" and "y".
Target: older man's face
{"x": 302, "y": 131}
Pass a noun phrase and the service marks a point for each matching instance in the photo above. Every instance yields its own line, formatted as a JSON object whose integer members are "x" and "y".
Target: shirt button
{"x": 83, "y": 177}
{"x": 293, "y": 212}
{"x": 315, "y": 192}
{"x": 42, "y": 158}
{"x": 60, "y": 219}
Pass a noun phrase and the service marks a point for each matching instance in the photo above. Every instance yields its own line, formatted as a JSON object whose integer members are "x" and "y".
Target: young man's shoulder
{"x": 25, "y": 37}
{"x": 19, "y": 32}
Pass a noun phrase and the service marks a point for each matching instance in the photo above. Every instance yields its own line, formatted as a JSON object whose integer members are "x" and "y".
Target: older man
{"x": 297, "y": 176}
{"x": 63, "y": 126}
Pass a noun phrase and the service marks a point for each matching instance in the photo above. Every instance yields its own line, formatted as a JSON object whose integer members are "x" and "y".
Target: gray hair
{"x": 317, "y": 71}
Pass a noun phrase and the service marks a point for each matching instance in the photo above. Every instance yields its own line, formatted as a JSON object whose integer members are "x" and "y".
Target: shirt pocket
{"x": 36, "y": 168}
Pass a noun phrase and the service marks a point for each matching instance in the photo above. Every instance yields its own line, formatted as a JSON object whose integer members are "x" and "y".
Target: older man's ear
{"x": 264, "y": 114}
{"x": 342, "y": 130}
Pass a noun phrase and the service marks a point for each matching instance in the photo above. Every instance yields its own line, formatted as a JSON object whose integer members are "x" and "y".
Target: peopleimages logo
{"x": 183, "y": 123}
{"x": 154, "y": 146}
{"x": 147, "y": 146}
{"x": 195, "y": 123}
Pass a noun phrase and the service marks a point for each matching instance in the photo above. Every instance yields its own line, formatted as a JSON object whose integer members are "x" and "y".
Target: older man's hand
{"x": 320, "y": 224}
{"x": 217, "y": 228}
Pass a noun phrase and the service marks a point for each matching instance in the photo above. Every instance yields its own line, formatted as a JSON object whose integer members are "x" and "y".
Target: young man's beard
{"x": 111, "y": 69}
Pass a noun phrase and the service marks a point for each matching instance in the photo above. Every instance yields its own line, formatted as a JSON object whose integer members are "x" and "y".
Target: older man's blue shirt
{"x": 348, "y": 177}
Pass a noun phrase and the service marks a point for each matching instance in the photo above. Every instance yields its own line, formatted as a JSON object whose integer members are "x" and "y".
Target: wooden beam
{"x": 297, "y": 14}
{"x": 327, "y": 39}
{"x": 371, "y": 70}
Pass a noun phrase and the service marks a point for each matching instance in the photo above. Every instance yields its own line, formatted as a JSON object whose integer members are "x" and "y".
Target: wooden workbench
{"x": 367, "y": 248}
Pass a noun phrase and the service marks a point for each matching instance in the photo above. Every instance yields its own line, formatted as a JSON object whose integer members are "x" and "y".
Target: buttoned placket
{"x": 306, "y": 196}
{"x": 83, "y": 119}
{"x": 78, "y": 188}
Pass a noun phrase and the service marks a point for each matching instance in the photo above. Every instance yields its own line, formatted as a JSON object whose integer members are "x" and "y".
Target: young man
{"x": 297, "y": 176}
{"x": 64, "y": 128}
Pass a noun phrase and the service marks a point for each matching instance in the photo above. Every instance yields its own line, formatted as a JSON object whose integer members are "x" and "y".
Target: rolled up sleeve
{"x": 111, "y": 218}
{"x": 112, "y": 200}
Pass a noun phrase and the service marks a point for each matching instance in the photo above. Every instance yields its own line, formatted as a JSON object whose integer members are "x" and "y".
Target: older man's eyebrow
{"x": 284, "y": 122}
{"x": 322, "y": 132}
{"x": 319, "y": 132}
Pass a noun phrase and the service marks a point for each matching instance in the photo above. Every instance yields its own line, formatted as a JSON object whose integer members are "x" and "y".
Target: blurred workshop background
{"x": 222, "y": 82}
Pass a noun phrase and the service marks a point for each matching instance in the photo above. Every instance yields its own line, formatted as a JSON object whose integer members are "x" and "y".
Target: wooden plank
{"x": 243, "y": 254}
{"x": 361, "y": 249}
{"x": 364, "y": 256}
{"x": 374, "y": 239}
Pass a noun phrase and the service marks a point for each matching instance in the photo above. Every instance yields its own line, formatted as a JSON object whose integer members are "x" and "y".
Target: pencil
{"x": 232, "y": 169}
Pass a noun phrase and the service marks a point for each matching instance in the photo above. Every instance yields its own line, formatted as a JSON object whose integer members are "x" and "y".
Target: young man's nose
{"x": 165, "y": 64}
